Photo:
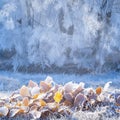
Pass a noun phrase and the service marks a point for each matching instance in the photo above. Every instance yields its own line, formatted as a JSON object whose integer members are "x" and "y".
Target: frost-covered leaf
{"x": 4, "y": 111}
{"x": 42, "y": 103}
{"x": 35, "y": 114}
{"x": 15, "y": 111}
{"x": 53, "y": 107}
{"x": 24, "y": 91}
{"x": 44, "y": 87}
{"x": 106, "y": 86}
{"x": 35, "y": 90}
{"x": 32, "y": 84}
{"x": 118, "y": 100}
{"x": 79, "y": 100}
{"x": 68, "y": 96}
{"x": 25, "y": 101}
{"x": 49, "y": 80}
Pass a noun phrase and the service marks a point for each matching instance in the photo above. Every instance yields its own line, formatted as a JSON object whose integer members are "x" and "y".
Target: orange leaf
{"x": 21, "y": 111}
{"x": 18, "y": 103}
{"x": 98, "y": 90}
{"x": 25, "y": 101}
{"x": 42, "y": 103}
{"x": 35, "y": 96}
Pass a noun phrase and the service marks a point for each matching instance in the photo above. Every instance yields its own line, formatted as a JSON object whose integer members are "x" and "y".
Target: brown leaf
{"x": 32, "y": 84}
{"x": 79, "y": 100}
{"x": 44, "y": 87}
{"x": 25, "y": 101}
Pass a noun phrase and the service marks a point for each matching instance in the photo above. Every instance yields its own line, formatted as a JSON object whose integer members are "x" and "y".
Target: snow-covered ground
{"x": 59, "y": 35}
{"x": 10, "y": 81}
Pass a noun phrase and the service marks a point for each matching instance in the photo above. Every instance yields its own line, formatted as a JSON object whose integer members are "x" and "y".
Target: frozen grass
{"x": 12, "y": 81}
{"x": 76, "y": 116}
{"x": 90, "y": 80}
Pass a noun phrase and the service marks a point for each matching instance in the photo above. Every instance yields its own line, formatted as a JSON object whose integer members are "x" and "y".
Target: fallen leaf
{"x": 98, "y": 90}
{"x": 3, "y": 111}
{"x": 32, "y": 84}
{"x": 24, "y": 91}
{"x": 25, "y": 101}
{"x": 42, "y": 103}
{"x": 58, "y": 96}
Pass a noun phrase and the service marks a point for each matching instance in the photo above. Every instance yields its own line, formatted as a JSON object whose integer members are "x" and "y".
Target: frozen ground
{"x": 15, "y": 80}
{"x": 10, "y": 82}
{"x": 30, "y": 27}
{"x": 89, "y": 79}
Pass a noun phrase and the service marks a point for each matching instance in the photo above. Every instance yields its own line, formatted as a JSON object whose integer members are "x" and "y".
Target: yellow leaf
{"x": 98, "y": 90}
{"x": 42, "y": 103}
{"x": 18, "y": 103}
{"x": 21, "y": 111}
{"x": 7, "y": 105}
{"x": 58, "y": 96}
{"x": 35, "y": 96}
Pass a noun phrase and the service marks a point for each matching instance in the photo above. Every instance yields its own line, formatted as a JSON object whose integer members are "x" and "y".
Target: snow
{"x": 38, "y": 35}
{"x": 9, "y": 82}
{"x": 16, "y": 80}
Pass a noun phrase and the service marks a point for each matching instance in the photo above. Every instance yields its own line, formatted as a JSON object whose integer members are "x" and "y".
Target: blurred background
{"x": 56, "y": 36}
